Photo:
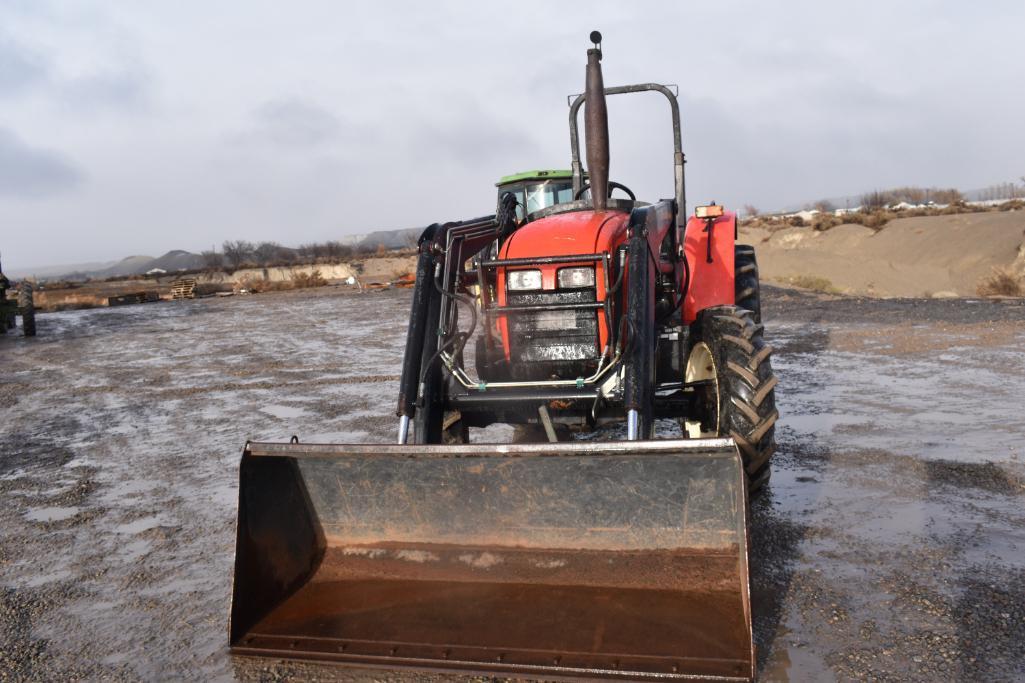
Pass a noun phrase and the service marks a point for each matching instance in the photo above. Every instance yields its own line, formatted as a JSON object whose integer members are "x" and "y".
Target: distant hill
{"x": 170, "y": 262}
{"x": 391, "y": 239}
{"x": 178, "y": 259}
{"x": 133, "y": 265}
{"x": 60, "y": 271}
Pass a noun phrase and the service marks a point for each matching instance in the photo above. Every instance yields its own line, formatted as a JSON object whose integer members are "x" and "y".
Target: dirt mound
{"x": 910, "y": 257}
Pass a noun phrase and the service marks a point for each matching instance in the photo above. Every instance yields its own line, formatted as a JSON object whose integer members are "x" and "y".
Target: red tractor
{"x": 587, "y": 309}
{"x": 621, "y": 558}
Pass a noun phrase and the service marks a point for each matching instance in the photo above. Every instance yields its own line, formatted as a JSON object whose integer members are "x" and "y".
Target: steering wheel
{"x": 613, "y": 185}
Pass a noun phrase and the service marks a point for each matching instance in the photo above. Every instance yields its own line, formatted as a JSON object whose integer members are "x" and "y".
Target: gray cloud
{"x": 315, "y": 119}
{"x": 32, "y": 172}
{"x": 468, "y": 135}
{"x": 293, "y": 122}
{"x": 116, "y": 89}
{"x": 20, "y": 68}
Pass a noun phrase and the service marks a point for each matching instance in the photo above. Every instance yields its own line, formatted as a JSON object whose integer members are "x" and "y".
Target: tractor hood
{"x": 568, "y": 234}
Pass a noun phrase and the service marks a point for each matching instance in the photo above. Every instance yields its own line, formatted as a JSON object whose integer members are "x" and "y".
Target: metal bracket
{"x": 709, "y": 225}
{"x": 546, "y": 421}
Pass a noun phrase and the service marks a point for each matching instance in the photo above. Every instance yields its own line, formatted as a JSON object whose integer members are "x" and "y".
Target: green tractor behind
{"x": 11, "y": 308}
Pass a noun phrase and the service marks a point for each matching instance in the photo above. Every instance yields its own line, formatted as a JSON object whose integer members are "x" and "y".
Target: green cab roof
{"x": 534, "y": 175}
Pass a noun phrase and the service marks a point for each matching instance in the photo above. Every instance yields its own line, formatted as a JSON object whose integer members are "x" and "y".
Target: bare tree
{"x": 323, "y": 252}
{"x": 331, "y": 250}
{"x": 212, "y": 260}
{"x": 874, "y": 200}
{"x": 237, "y": 252}
{"x": 825, "y": 206}
{"x": 268, "y": 253}
{"x": 948, "y": 196}
{"x": 334, "y": 251}
{"x": 750, "y": 211}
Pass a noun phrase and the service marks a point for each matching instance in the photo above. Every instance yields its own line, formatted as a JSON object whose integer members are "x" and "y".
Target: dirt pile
{"x": 909, "y": 257}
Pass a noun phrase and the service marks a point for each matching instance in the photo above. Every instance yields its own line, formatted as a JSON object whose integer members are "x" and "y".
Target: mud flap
{"x": 619, "y": 560}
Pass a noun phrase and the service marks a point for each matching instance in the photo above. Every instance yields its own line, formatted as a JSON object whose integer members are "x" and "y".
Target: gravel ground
{"x": 890, "y": 544}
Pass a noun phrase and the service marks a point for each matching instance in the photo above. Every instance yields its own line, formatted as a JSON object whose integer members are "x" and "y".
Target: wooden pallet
{"x": 185, "y": 288}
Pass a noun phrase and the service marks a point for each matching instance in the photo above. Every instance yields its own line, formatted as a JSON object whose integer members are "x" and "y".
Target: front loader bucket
{"x": 598, "y": 560}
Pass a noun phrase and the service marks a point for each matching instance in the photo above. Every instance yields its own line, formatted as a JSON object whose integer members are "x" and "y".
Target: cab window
{"x": 534, "y": 196}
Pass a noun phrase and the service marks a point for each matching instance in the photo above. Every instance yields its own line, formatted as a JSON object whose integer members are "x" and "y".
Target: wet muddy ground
{"x": 890, "y": 544}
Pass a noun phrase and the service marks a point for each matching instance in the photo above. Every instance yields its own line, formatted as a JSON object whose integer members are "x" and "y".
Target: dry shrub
{"x": 961, "y": 207}
{"x": 813, "y": 282}
{"x": 255, "y": 286}
{"x": 767, "y": 223}
{"x": 874, "y": 215}
{"x": 877, "y": 219}
{"x": 870, "y": 219}
{"x": 825, "y": 221}
{"x": 1001, "y": 282}
{"x": 304, "y": 280}
{"x": 298, "y": 281}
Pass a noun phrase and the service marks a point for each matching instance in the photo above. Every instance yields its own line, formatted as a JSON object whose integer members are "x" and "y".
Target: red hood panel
{"x": 566, "y": 234}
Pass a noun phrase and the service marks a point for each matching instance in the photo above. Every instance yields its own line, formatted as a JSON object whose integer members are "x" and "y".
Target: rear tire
{"x": 747, "y": 292}
{"x": 28, "y": 310}
{"x": 740, "y": 401}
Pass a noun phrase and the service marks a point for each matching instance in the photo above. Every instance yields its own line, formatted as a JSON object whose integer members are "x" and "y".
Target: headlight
{"x": 575, "y": 278}
{"x": 524, "y": 279}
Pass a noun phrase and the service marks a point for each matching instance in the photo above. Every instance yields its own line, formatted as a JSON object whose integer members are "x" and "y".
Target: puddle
{"x": 135, "y": 550}
{"x": 55, "y": 514}
{"x": 43, "y": 578}
{"x": 794, "y": 660}
{"x": 120, "y": 491}
{"x": 284, "y": 412}
{"x": 140, "y": 525}
{"x": 904, "y": 404}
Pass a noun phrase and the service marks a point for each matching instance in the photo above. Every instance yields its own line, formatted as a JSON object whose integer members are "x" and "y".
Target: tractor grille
{"x": 553, "y": 336}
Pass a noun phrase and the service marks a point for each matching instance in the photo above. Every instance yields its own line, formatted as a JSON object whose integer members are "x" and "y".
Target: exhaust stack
{"x": 596, "y": 127}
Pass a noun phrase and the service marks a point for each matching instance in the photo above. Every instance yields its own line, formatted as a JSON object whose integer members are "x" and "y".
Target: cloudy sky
{"x": 135, "y": 128}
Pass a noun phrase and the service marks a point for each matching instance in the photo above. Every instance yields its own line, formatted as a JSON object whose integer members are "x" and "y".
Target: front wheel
{"x": 730, "y": 362}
